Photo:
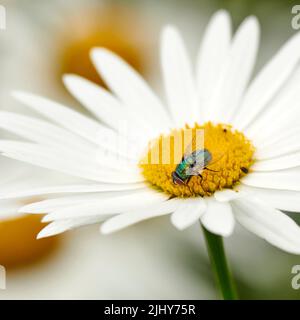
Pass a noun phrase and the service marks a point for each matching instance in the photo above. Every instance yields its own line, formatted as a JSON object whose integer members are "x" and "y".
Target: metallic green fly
{"x": 191, "y": 165}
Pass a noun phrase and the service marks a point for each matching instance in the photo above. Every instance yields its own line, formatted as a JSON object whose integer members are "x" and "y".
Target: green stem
{"x": 220, "y": 267}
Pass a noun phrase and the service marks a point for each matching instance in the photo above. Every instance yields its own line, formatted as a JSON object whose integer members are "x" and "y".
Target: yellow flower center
{"x": 197, "y": 161}
{"x": 112, "y": 27}
{"x": 18, "y": 243}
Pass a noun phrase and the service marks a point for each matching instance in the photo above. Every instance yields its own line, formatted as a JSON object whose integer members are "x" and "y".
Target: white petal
{"x": 55, "y": 204}
{"x": 283, "y": 109}
{"x": 103, "y": 105}
{"x": 129, "y": 86}
{"x": 111, "y": 206}
{"x": 129, "y": 218}
{"x": 72, "y": 188}
{"x": 268, "y": 81}
{"x": 178, "y": 78}
{"x": 280, "y": 199}
{"x": 236, "y": 72}
{"x": 269, "y": 224}
{"x": 41, "y": 131}
{"x": 74, "y": 121}
{"x": 211, "y": 57}
{"x": 58, "y": 160}
{"x": 289, "y": 120}
{"x": 284, "y": 162}
{"x": 62, "y": 189}
{"x": 58, "y": 227}
{"x": 188, "y": 212}
{"x": 48, "y": 134}
{"x": 279, "y": 149}
{"x": 288, "y": 179}
{"x": 284, "y": 143}
{"x": 228, "y": 195}
{"x": 218, "y": 218}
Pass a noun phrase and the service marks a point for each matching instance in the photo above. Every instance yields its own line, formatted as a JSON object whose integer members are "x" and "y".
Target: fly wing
{"x": 216, "y": 159}
{"x": 197, "y": 161}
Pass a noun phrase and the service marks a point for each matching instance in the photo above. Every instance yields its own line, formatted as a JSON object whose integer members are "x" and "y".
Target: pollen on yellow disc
{"x": 18, "y": 243}
{"x": 231, "y": 158}
{"x": 112, "y": 27}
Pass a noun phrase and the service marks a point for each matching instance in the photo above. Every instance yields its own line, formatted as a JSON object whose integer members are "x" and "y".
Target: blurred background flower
{"x": 45, "y": 39}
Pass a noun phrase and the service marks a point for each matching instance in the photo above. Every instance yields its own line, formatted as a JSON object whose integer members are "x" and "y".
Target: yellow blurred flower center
{"x": 18, "y": 243}
{"x": 229, "y": 158}
{"x": 112, "y": 27}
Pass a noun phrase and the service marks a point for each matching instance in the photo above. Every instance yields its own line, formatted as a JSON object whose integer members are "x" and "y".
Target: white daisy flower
{"x": 254, "y": 143}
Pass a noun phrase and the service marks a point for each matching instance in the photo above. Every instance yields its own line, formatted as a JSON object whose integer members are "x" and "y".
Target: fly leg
{"x": 211, "y": 170}
{"x": 188, "y": 180}
{"x": 187, "y": 183}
